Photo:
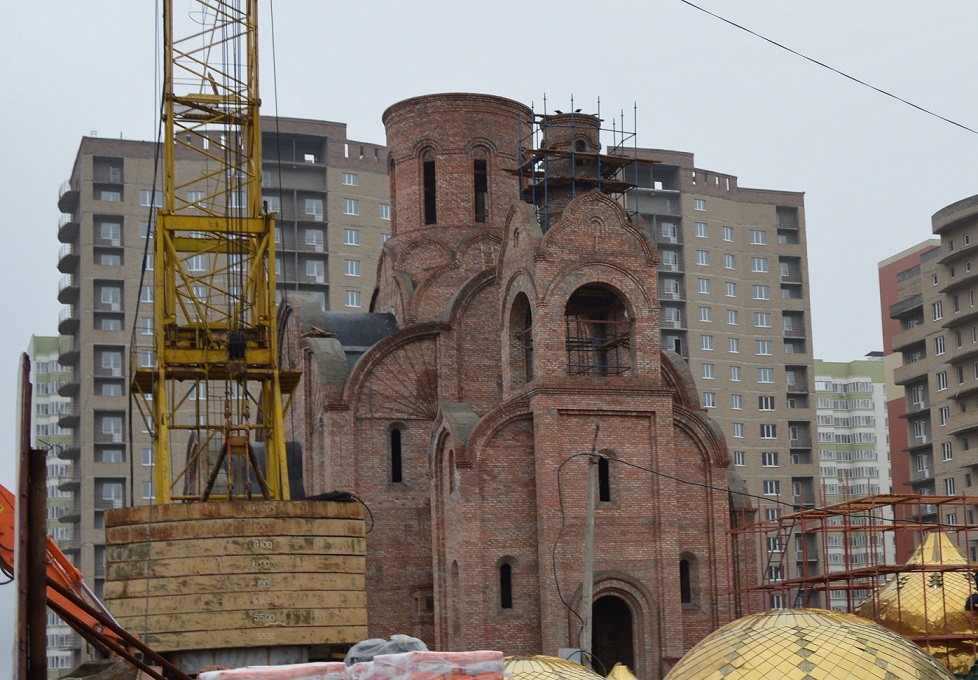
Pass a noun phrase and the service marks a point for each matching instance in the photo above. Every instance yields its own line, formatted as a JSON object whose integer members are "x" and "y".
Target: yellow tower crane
{"x": 213, "y": 388}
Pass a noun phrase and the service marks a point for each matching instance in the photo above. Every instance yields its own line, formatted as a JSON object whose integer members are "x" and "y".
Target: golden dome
{"x": 621, "y": 672}
{"x": 806, "y": 644}
{"x": 929, "y": 603}
{"x": 546, "y": 668}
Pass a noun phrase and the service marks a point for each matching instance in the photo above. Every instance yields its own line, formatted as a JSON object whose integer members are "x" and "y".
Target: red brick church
{"x": 515, "y": 325}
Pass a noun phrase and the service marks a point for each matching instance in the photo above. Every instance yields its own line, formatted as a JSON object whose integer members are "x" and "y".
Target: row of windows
{"x": 758, "y": 237}
{"x": 761, "y": 347}
{"x": 704, "y": 286}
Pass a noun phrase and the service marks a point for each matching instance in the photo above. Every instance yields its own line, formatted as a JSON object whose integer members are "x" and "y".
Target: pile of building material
{"x": 417, "y": 665}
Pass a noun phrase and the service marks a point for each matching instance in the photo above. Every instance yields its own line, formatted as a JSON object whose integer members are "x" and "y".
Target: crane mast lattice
{"x": 213, "y": 389}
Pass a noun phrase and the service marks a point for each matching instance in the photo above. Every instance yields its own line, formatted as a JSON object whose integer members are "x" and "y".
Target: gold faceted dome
{"x": 806, "y": 644}
{"x": 546, "y": 668}
{"x": 930, "y": 603}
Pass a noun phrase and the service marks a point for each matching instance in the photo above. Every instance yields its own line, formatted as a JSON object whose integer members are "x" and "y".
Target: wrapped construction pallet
{"x": 481, "y": 665}
{"x": 326, "y": 670}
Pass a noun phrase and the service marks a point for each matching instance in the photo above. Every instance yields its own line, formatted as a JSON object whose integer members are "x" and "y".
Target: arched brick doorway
{"x": 612, "y": 639}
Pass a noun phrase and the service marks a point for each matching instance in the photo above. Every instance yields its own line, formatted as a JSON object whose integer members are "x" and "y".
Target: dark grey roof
{"x": 358, "y": 331}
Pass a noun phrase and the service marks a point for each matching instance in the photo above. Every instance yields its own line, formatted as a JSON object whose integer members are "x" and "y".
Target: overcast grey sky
{"x": 873, "y": 170}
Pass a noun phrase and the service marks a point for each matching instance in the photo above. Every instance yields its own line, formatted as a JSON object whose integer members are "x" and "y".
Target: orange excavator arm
{"x": 71, "y": 599}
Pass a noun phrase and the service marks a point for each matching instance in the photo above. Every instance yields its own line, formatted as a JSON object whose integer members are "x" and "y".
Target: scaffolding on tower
{"x": 211, "y": 392}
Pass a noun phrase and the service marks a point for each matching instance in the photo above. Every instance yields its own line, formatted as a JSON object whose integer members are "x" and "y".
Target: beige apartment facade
{"x": 329, "y": 195}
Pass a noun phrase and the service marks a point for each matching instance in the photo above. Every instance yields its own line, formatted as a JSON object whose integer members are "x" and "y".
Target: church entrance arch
{"x": 612, "y": 636}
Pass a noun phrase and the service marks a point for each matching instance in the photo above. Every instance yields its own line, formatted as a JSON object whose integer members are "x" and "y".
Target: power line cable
{"x": 830, "y": 68}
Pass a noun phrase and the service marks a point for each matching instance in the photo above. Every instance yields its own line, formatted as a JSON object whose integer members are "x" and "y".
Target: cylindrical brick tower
{"x": 451, "y": 157}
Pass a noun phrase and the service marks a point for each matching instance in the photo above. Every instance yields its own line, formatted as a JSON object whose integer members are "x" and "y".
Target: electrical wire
{"x": 830, "y": 68}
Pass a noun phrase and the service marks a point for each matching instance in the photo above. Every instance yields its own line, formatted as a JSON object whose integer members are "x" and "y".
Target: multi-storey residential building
{"x": 938, "y": 341}
{"x": 854, "y": 459}
{"x": 331, "y": 199}
{"x": 47, "y": 408}
{"x": 733, "y": 289}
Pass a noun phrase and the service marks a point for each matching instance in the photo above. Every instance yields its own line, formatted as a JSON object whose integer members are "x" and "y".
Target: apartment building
{"x": 330, "y": 195}
{"x": 938, "y": 343}
{"x": 47, "y": 407}
{"x": 854, "y": 458}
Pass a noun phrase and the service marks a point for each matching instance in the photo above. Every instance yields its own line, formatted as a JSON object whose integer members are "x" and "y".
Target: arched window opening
{"x": 397, "y": 468}
{"x": 521, "y": 348}
{"x": 580, "y": 146}
{"x": 428, "y": 172}
{"x": 604, "y": 480}
{"x": 598, "y": 333}
{"x": 685, "y": 583}
{"x": 506, "y": 586}
{"x": 452, "y": 485}
{"x": 480, "y": 171}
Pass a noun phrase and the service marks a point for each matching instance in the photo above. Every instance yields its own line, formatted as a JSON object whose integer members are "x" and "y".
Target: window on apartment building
{"x": 315, "y": 239}
{"x": 150, "y": 199}
{"x": 937, "y": 310}
{"x": 762, "y": 319}
{"x": 109, "y": 259}
{"x": 758, "y": 264}
{"x": 758, "y": 237}
{"x": 699, "y": 204}
{"x": 733, "y": 345}
{"x": 769, "y": 431}
{"x": 739, "y": 459}
{"x": 273, "y": 203}
{"x": 706, "y": 314}
{"x": 385, "y": 211}
{"x": 765, "y": 375}
{"x": 765, "y": 403}
{"x": 146, "y": 294}
{"x": 772, "y": 487}
{"x": 316, "y": 270}
{"x": 314, "y": 208}
{"x": 352, "y": 267}
{"x": 732, "y": 317}
{"x": 944, "y": 414}
{"x": 730, "y": 289}
{"x": 939, "y": 345}
{"x": 729, "y": 261}
{"x": 709, "y": 399}
{"x": 197, "y": 263}
{"x": 348, "y": 179}
{"x": 728, "y": 233}
{"x": 352, "y": 298}
{"x": 706, "y": 342}
{"x": 735, "y": 373}
{"x": 351, "y": 237}
{"x": 701, "y": 229}
{"x": 942, "y": 381}
{"x": 949, "y": 486}
{"x": 708, "y": 371}
{"x": 946, "y": 452}
{"x": 761, "y": 292}
{"x": 703, "y": 257}
{"x": 737, "y": 402}
{"x": 769, "y": 458}
{"x": 764, "y": 347}
{"x": 351, "y": 206}
{"x": 737, "y": 429}
{"x": 703, "y": 285}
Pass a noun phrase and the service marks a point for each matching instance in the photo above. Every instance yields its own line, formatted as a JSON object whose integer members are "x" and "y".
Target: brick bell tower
{"x": 450, "y": 164}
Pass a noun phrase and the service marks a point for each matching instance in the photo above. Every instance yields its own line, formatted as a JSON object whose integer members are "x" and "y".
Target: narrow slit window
{"x": 480, "y": 170}
{"x": 506, "y": 586}
{"x": 604, "y": 481}
{"x": 428, "y": 172}
{"x": 397, "y": 469}
{"x": 685, "y": 585}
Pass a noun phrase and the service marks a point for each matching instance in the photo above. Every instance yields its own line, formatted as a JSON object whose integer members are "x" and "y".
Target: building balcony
{"x": 108, "y": 503}
{"x": 959, "y": 318}
{"x": 668, "y": 267}
{"x": 72, "y": 449}
{"x": 792, "y": 278}
{"x": 908, "y": 307}
{"x": 919, "y": 444}
{"x": 794, "y": 332}
{"x": 672, "y": 324}
{"x": 68, "y": 197}
{"x": 796, "y": 387}
{"x": 800, "y": 443}
{"x": 961, "y": 280}
{"x": 70, "y": 512}
{"x": 109, "y": 438}
{"x": 108, "y": 371}
{"x": 963, "y": 355}
{"x": 69, "y": 349}
{"x": 67, "y": 228}
{"x": 70, "y": 385}
{"x": 71, "y": 478}
{"x": 915, "y": 409}
{"x": 965, "y": 392}
{"x": 72, "y": 544}
{"x": 911, "y": 339}
{"x": 672, "y": 296}
{"x": 67, "y": 320}
{"x": 68, "y": 289}
{"x": 67, "y": 258}
{"x": 916, "y": 371}
{"x": 959, "y": 254}
{"x": 70, "y": 418}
